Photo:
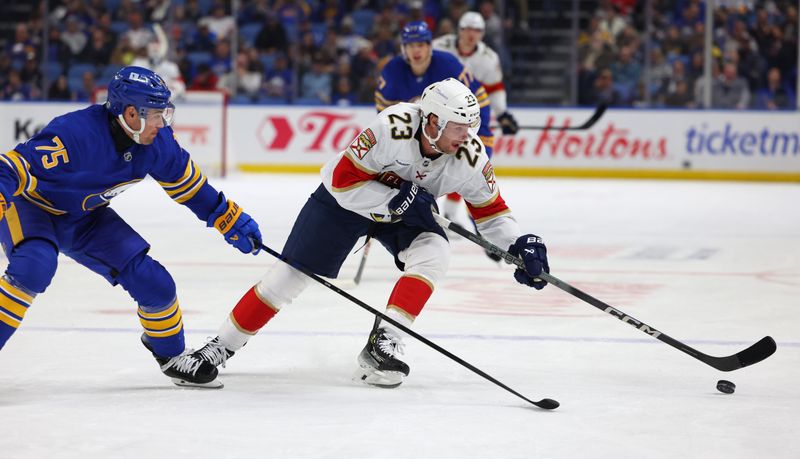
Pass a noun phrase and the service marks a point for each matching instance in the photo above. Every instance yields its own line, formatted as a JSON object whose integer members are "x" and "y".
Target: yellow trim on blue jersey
{"x": 7, "y": 304}
{"x": 188, "y": 185}
{"x": 488, "y": 140}
{"x": 160, "y": 314}
{"x": 8, "y": 320}
{"x": 14, "y": 227}
{"x": 28, "y": 183}
{"x": 165, "y": 333}
{"x": 59, "y": 145}
{"x": 15, "y": 160}
{"x": 14, "y": 292}
{"x": 162, "y": 323}
{"x": 381, "y": 102}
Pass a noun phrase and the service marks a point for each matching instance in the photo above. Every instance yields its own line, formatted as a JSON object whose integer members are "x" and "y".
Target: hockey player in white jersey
{"x": 482, "y": 61}
{"x": 385, "y": 185}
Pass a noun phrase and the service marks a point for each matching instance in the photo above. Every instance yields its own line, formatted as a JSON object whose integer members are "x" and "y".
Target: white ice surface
{"x": 715, "y": 265}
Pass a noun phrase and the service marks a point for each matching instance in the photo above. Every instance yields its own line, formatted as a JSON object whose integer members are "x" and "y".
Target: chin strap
{"x": 134, "y": 134}
{"x": 432, "y": 141}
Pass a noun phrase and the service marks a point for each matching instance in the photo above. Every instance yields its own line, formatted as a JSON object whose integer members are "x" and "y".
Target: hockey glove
{"x": 534, "y": 254}
{"x": 415, "y": 206}
{"x": 239, "y": 229}
{"x": 507, "y": 123}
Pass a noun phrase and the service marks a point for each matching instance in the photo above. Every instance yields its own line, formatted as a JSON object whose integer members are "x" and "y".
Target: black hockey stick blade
{"x": 759, "y": 351}
{"x": 545, "y": 403}
{"x": 598, "y": 112}
{"x": 753, "y": 354}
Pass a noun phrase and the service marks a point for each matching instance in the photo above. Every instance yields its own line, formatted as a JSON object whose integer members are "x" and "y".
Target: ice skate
{"x": 378, "y": 362}
{"x": 214, "y": 353}
{"x": 187, "y": 369}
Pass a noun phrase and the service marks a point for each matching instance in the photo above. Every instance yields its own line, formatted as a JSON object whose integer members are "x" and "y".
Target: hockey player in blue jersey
{"x": 55, "y": 191}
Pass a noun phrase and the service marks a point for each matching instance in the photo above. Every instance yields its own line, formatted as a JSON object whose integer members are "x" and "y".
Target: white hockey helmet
{"x": 450, "y": 101}
{"x": 472, "y": 20}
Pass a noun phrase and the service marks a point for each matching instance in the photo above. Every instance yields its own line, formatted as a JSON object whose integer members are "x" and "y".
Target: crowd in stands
{"x": 331, "y": 51}
{"x": 754, "y": 54}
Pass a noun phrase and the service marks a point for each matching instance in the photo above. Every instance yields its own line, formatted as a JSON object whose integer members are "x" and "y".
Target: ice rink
{"x": 713, "y": 264}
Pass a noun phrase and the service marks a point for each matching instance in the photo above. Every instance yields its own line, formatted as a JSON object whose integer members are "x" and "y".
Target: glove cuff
{"x": 225, "y": 222}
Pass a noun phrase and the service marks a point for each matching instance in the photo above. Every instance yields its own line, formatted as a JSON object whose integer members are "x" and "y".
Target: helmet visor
{"x": 156, "y": 116}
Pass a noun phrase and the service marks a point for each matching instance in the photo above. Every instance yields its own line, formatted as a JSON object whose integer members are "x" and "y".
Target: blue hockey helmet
{"x": 416, "y": 32}
{"x": 141, "y": 88}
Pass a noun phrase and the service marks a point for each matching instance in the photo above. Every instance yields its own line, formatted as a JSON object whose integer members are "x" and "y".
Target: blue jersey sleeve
{"x": 388, "y": 91}
{"x": 180, "y": 177}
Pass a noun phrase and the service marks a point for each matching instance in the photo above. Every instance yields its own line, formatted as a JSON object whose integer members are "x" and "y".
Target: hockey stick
{"x": 598, "y": 112}
{"x": 545, "y": 403}
{"x": 363, "y": 262}
{"x": 753, "y": 354}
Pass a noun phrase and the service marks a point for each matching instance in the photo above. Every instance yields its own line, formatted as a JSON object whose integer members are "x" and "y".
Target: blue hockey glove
{"x": 507, "y": 123}
{"x": 533, "y": 252}
{"x": 239, "y": 229}
{"x": 415, "y": 206}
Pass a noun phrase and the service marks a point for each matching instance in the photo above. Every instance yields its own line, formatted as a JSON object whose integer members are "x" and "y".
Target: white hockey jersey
{"x": 484, "y": 64}
{"x": 364, "y": 177}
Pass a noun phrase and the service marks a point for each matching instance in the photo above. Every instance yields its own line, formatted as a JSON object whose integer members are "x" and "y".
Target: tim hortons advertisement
{"x": 621, "y": 141}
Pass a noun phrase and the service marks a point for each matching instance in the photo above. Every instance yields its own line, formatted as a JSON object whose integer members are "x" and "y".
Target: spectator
{"x": 316, "y": 84}
{"x": 218, "y": 22}
{"x": 99, "y": 49}
{"x": 730, "y": 90}
{"x": 604, "y": 91}
{"x": 203, "y": 40}
{"x": 137, "y": 34}
{"x": 679, "y": 96}
{"x": 272, "y": 37}
{"x": 15, "y": 89}
{"x": 74, "y": 38}
{"x": 22, "y": 47}
{"x": 248, "y": 77}
{"x": 220, "y": 62}
{"x": 86, "y": 92}
{"x": 59, "y": 89}
{"x": 626, "y": 70}
{"x": 343, "y": 94}
{"x": 205, "y": 79}
{"x": 279, "y": 79}
{"x": 777, "y": 95}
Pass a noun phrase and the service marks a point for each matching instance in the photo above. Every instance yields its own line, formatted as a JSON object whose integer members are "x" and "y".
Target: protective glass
{"x": 154, "y": 115}
{"x": 455, "y": 130}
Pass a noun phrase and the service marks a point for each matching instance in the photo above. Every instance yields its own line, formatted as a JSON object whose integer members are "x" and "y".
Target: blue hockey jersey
{"x": 72, "y": 167}
{"x": 399, "y": 84}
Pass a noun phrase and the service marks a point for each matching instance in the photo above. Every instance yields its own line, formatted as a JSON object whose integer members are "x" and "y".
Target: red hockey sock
{"x": 410, "y": 295}
{"x": 252, "y": 312}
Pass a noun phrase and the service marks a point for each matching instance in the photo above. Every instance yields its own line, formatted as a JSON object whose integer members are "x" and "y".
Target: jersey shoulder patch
{"x": 363, "y": 143}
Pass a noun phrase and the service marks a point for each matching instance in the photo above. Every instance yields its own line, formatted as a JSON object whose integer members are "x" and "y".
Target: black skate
{"x": 187, "y": 369}
{"x": 214, "y": 353}
{"x": 378, "y": 362}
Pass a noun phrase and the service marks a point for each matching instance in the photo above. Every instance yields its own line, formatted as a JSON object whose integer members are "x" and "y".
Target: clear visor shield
{"x": 158, "y": 116}
{"x": 461, "y": 131}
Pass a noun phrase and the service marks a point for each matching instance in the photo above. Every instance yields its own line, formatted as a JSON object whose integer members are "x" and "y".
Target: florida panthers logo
{"x": 96, "y": 200}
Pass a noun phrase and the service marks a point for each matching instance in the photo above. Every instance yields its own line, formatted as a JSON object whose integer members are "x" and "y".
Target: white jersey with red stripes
{"x": 484, "y": 64}
{"x": 363, "y": 178}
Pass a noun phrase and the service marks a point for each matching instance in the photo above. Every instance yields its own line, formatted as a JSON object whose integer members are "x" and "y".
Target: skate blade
{"x": 377, "y": 378}
{"x": 215, "y": 384}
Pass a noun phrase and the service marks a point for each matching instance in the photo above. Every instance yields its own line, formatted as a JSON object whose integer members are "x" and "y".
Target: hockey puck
{"x": 726, "y": 387}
